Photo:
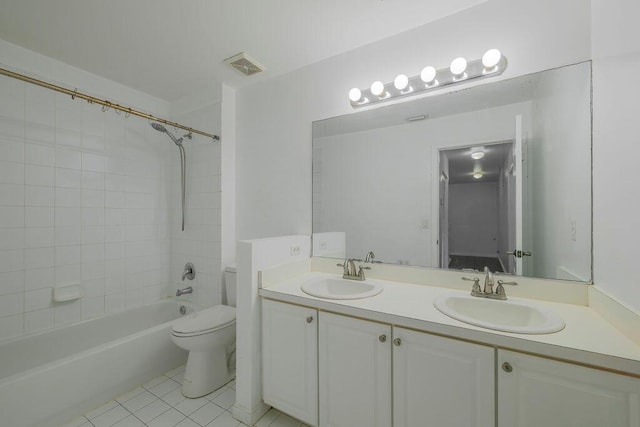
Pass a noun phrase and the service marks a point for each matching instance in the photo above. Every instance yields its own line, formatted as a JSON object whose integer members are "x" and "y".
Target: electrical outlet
{"x": 574, "y": 230}
{"x": 294, "y": 250}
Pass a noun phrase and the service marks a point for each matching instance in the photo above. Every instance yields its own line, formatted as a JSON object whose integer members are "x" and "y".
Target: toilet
{"x": 209, "y": 336}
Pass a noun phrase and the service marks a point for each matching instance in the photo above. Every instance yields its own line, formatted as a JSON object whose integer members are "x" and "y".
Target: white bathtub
{"x": 49, "y": 378}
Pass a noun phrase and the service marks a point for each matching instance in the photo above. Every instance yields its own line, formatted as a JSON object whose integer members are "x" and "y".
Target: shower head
{"x": 160, "y": 128}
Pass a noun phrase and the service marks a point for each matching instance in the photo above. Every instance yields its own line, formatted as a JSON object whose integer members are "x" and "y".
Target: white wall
{"x": 616, "y": 148}
{"x": 473, "y": 219}
{"x": 274, "y": 117}
{"x": 83, "y": 198}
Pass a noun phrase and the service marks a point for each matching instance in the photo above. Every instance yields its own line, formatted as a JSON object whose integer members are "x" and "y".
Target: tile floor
{"x": 159, "y": 403}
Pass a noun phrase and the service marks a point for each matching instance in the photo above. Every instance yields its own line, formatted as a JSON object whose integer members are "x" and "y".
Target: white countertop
{"x": 587, "y": 338}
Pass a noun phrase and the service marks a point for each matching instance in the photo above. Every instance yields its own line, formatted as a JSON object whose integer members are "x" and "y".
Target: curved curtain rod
{"x": 106, "y": 104}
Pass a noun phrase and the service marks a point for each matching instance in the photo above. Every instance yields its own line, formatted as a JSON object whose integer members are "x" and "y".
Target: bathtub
{"x": 50, "y": 378}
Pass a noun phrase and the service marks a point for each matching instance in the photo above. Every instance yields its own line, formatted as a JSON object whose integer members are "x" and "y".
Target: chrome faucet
{"x": 189, "y": 271}
{"x": 349, "y": 270}
{"x": 370, "y": 257}
{"x": 488, "y": 281}
{"x": 187, "y": 290}
{"x": 488, "y": 292}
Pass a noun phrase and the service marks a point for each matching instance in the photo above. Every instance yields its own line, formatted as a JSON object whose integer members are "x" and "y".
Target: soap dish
{"x": 67, "y": 293}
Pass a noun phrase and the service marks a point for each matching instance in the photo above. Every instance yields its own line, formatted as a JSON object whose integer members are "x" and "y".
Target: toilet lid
{"x": 211, "y": 318}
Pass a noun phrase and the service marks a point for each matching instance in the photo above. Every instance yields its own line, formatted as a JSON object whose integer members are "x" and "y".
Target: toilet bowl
{"x": 209, "y": 336}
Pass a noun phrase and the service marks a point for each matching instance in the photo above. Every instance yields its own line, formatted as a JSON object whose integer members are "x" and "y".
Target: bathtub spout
{"x": 187, "y": 290}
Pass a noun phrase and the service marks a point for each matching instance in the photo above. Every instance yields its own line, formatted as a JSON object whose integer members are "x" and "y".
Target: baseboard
{"x": 245, "y": 416}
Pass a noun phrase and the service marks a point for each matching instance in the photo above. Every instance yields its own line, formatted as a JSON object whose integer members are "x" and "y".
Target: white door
{"x": 355, "y": 366}
{"x": 443, "y": 238}
{"x": 535, "y": 392}
{"x": 290, "y": 359}
{"x": 441, "y": 382}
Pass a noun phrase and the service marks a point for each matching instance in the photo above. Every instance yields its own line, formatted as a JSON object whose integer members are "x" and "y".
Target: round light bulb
{"x": 377, "y": 88}
{"x": 458, "y": 66}
{"x": 428, "y": 74}
{"x": 477, "y": 153}
{"x": 478, "y": 175}
{"x": 491, "y": 58}
{"x": 401, "y": 82}
{"x": 355, "y": 94}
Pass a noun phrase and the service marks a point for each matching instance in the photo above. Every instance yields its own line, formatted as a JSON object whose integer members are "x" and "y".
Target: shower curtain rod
{"x": 106, "y": 104}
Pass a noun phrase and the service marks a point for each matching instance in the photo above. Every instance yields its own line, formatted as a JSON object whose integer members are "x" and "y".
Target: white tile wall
{"x": 200, "y": 243}
{"x": 81, "y": 192}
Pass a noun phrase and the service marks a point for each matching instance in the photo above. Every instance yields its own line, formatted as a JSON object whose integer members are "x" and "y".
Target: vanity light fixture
{"x": 493, "y": 63}
{"x": 478, "y": 175}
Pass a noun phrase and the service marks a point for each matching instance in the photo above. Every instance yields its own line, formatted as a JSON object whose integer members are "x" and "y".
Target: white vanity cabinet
{"x": 441, "y": 381}
{"x": 534, "y": 391}
{"x": 355, "y": 372}
{"x": 290, "y": 359}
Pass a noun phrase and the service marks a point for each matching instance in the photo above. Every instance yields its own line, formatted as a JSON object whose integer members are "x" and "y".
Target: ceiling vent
{"x": 244, "y": 64}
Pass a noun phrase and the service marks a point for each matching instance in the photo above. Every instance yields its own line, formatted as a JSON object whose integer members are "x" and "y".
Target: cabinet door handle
{"x": 397, "y": 342}
{"x": 309, "y": 319}
{"x": 506, "y": 366}
{"x": 382, "y": 338}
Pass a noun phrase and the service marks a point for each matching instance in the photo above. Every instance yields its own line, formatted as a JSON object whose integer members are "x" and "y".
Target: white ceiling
{"x": 171, "y": 49}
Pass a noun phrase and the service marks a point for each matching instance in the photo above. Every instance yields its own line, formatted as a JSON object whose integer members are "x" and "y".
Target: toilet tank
{"x": 230, "y": 284}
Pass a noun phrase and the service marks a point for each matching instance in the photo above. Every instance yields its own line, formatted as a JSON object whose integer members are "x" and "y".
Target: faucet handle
{"x": 502, "y": 282}
{"x": 361, "y": 270}
{"x": 475, "y": 289}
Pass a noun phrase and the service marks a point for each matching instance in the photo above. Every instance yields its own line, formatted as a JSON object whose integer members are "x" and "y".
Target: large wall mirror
{"x": 496, "y": 175}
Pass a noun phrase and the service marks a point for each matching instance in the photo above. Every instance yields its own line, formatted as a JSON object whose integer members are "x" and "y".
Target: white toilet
{"x": 210, "y": 338}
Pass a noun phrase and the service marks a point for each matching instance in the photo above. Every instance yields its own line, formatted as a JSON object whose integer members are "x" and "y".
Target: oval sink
{"x": 336, "y": 288}
{"x": 517, "y": 316}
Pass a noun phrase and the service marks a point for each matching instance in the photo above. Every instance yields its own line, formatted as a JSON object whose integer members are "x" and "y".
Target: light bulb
{"x": 428, "y": 74}
{"x": 401, "y": 82}
{"x": 477, "y": 153}
{"x": 458, "y": 66}
{"x": 478, "y": 175}
{"x": 491, "y": 58}
{"x": 355, "y": 94}
{"x": 377, "y": 88}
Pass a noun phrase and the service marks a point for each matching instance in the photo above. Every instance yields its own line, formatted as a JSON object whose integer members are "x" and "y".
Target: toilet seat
{"x": 205, "y": 321}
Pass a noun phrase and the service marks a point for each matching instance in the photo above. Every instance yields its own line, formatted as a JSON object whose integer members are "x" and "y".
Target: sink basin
{"x": 337, "y": 288}
{"x": 517, "y": 316}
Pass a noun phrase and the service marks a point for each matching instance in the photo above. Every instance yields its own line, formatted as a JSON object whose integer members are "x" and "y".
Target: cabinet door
{"x": 290, "y": 359}
{"x": 355, "y": 372}
{"x": 534, "y": 392}
{"x": 441, "y": 382}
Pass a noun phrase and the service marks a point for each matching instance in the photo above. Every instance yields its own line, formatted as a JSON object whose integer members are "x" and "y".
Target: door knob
{"x": 382, "y": 338}
{"x": 309, "y": 319}
{"x": 397, "y": 342}
{"x": 506, "y": 366}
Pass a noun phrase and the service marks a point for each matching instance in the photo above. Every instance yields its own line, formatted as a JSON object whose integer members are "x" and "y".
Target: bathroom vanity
{"x": 394, "y": 360}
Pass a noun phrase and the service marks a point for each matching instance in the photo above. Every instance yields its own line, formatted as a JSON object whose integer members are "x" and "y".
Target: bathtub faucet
{"x": 189, "y": 271}
{"x": 187, "y": 290}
